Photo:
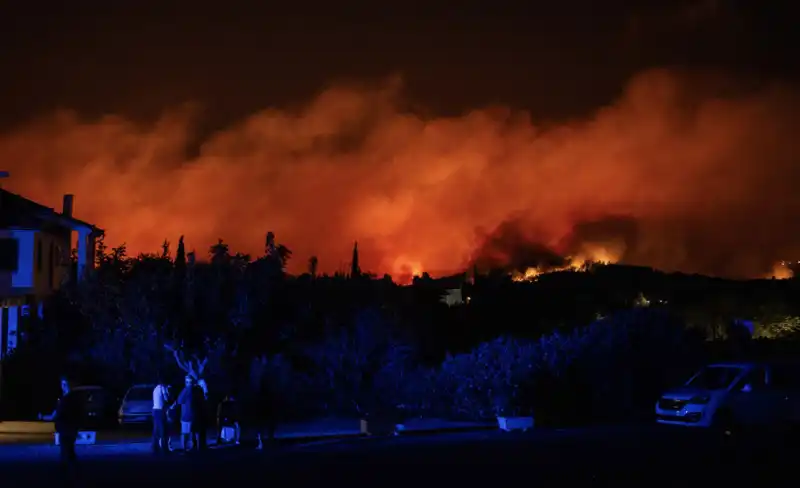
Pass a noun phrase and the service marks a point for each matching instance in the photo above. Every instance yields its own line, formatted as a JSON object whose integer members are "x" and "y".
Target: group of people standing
{"x": 192, "y": 402}
{"x": 194, "y": 425}
{"x": 194, "y": 417}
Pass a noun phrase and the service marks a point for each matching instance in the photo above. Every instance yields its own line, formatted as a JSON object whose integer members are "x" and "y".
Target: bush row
{"x": 609, "y": 370}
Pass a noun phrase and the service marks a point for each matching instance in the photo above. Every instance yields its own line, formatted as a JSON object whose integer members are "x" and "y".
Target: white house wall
{"x": 55, "y": 253}
{"x": 85, "y": 248}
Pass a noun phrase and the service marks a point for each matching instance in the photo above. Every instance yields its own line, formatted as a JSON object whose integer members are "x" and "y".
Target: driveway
{"x": 633, "y": 456}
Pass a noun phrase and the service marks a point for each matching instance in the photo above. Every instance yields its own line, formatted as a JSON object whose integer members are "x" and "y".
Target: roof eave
{"x": 73, "y": 223}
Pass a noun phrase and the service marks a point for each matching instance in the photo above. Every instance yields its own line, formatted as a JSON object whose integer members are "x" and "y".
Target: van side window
{"x": 756, "y": 378}
{"x": 785, "y": 378}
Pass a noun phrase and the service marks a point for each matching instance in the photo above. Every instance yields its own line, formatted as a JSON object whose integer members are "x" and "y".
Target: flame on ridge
{"x": 580, "y": 262}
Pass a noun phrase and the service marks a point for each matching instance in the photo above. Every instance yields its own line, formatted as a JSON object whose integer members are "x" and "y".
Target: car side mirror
{"x": 747, "y": 388}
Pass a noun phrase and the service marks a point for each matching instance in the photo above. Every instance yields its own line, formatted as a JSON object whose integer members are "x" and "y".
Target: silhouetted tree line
{"x": 571, "y": 346}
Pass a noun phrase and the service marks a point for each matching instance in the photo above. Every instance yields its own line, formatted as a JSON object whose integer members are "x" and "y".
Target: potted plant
{"x": 489, "y": 382}
{"x": 510, "y": 412}
{"x": 383, "y": 421}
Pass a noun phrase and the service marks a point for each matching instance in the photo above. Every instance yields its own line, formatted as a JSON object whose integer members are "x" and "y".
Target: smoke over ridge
{"x": 683, "y": 172}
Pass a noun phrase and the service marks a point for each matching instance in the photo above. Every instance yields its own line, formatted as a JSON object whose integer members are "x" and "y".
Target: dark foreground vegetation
{"x": 571, "y": 347}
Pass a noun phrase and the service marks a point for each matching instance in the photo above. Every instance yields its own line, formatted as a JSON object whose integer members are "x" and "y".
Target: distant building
{"x": 35, "y": 247}
{"x": 454, "y": 297}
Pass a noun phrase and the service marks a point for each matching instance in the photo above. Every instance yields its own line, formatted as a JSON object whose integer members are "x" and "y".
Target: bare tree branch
{"x": 201, "y": 364}
{"x": 193, "y": 366}
{"x": 186, "y": 366}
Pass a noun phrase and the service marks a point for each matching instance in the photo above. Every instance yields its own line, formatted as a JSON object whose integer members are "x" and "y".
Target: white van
{"x": 730, "y": 395}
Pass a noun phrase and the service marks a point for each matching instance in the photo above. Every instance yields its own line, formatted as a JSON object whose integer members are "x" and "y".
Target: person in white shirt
{"x": 160, "y": 425}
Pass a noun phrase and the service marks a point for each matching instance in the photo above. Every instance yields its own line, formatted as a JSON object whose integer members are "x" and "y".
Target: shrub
{"x": 612, "y": 369}
{"x": 785, "y": 327}
{"x": 493, "y": 379}
{"x": 360, "y": 369}
{"x": 615, "y": 368}
{"x": 120, "y": 357}
{"x": 417, "y": 394}
{"x": 286, "y": 385}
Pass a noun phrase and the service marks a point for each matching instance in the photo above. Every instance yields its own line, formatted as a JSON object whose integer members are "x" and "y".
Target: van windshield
{"x": 715, "y": 377}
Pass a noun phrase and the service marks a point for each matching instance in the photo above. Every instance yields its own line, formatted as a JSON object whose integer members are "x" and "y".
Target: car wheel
{"x": 724, "y": 425}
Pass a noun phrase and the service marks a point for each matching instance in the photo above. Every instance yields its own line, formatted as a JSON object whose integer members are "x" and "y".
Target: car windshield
{"x": 715, "y": 377}
{"x": 140, "y": 393}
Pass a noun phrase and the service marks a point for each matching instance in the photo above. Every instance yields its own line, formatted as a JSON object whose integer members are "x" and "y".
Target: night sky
{"x": 176, "y": 86}
{"x": 557, "y": 58}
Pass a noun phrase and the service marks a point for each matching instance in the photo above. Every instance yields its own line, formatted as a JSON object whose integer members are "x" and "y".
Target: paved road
{"x": 628, "y": 456}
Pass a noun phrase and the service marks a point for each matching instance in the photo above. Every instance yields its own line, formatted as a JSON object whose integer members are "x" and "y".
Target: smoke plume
{"x": 682, "y": 172}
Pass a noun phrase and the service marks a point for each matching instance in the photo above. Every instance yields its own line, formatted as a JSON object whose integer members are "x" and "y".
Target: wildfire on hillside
{"x": 783, "y": 270}
{"x": 405, "y": 269}
{"x": 580, "y": 262}
{"x": 671, "y": 172}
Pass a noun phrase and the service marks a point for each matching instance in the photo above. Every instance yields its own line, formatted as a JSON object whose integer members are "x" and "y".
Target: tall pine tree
{"x": 355, "y": 269}
{"x": 313, "y": 262}
{"x": 180, "y": 259}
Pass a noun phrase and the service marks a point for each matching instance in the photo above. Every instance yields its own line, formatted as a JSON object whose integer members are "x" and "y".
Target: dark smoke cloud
{"x": 702, "y": 167}
{"x": 513, "y": 246}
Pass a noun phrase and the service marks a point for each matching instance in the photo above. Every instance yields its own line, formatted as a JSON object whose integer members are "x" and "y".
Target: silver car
{"x": 734, "y": 395}
{"x": 137, "y": 405}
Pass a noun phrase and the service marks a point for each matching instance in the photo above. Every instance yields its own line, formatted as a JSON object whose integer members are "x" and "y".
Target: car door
{"x": 751, "y": 401}
{"x": 784, "y": 382}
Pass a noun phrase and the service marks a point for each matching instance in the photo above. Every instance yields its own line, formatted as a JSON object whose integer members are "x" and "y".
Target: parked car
{"x": 99, "y": 406}
{"x": 734, "y": 396}
{"x": 137, "y": 405}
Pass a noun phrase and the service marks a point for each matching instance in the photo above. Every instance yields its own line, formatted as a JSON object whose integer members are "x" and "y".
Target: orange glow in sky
{"x": 707, "y": 175}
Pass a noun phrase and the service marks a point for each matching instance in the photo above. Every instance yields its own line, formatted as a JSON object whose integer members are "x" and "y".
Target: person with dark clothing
{"x": 67, "y": 417}
{"x": 187, "y": 402}
{"x": 200, "y": 420}
{"x": 263, "y": 413}
{"x": 170, "y": 417}
{"x": 228, "y": 416}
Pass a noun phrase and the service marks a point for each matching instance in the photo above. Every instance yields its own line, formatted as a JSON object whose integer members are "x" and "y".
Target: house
{"x": 35, "y": 247}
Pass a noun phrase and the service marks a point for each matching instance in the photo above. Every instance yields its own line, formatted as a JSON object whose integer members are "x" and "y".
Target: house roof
{"x": 18, "y": 211}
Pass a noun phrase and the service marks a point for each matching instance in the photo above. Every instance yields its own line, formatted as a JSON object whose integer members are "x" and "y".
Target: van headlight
{"x": 700, "y": 400}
